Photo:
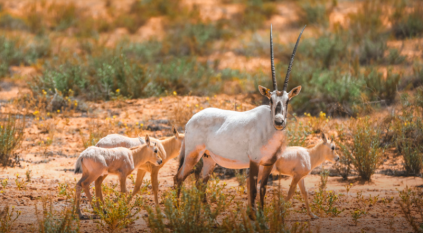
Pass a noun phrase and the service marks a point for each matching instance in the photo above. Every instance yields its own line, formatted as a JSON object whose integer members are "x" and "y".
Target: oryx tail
{"x": 78, "y": 165}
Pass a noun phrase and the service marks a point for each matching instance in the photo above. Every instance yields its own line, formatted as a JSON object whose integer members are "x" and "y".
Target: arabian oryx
{"x": 96, "y": 163}
{"x": 171, "y": 145}
{"x": 298, "y": 162}
{"x": 239, "y": 140}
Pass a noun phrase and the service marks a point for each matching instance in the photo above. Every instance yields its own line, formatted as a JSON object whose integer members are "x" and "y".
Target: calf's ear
{"x": 147, "y": 140}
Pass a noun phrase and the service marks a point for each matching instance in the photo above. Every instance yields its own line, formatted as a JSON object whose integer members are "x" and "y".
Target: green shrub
{"x": 63, "y": 15}
{"x": 366, "y": 153}
{"x": 407, "y": 131}
{"x": 253, "y": 16}
{"x": 315, "y": 12}
{"x": 53, "y": 219}
{"x": 190, "y": 214}
{"x": 192, "y": 38}
{"x": 7, "y": 21}
{"x": 394, "y": 57}
{"x": 115, "y": 212}
{"x": 407, "y": 22}
{"x": 15, "y": 52}
{"x": 381, "y": 88}
{"x": 11, "y": 137}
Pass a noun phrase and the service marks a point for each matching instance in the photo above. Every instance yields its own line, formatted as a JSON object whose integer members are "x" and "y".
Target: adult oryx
{"x": 239, "y": 139}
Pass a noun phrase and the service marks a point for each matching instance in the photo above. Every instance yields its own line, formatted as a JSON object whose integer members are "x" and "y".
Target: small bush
{"x": 189, "y": 214}
{"x": 315, "y": 12}
{"x": 7, "y": 219}
{"x": 11, "y": 137}
{"x": 365, "y": 151}
{"x": 409, "y": 200}
{"x": 254, "y": 14}
{"x": 52, "y": 219}
{"x": 115, "y": 212}
{"x": 381, "y": 88}
{"x": 407, "y": 131}
{"x": 407, "y": 21}
{"x": 15, "y": 52}
{"x": 10, "y": 22}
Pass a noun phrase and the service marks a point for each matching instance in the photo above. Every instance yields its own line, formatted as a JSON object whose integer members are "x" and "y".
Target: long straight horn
{"x": 275, "y": 85}
{"x": 285, "y": 85}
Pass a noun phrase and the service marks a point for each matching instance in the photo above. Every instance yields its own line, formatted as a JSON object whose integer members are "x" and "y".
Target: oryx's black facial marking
{"x": 278, "y": 108}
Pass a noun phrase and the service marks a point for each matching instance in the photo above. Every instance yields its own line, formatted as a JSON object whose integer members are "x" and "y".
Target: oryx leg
{"x": 84, "y": 184}
{"x": 122, "y": 179}
{"x": 155, "y": 183}
{"x": 189, "y": 162}
{"x": 303, "y": 190}
{"x": 292, "y": 188}
{"x": 208, "y": 167}
{"x": 264, "y": 179}
{"x": 138, "y": 181}
{"x": 98, "y": 191}
{"x": 252, "y": 188}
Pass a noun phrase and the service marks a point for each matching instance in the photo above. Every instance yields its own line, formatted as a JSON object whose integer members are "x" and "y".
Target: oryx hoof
{"x": 313, "y": 216}
{"x": 84, "y": 217}
{"x": 252, "y": 215}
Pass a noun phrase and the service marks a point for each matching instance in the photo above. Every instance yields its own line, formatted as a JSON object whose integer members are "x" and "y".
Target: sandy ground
{"x": 53, "y": 165}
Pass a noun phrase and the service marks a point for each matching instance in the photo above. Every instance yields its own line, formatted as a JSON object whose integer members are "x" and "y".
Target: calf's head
{"x": 156, "y": 153}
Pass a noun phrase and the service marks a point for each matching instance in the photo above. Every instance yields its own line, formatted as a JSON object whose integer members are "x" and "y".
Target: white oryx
{"x": 239, "y": 139}
{"x": 96, "y": 163}
{"x": 171, "y": 145}
{"x": 298, "y": 162}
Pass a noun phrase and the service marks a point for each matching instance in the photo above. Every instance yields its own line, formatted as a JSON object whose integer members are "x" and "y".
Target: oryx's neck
{"x": 171, "y": 147}
{"x": 139, "y": 155}
{"x": 316, "y": 155}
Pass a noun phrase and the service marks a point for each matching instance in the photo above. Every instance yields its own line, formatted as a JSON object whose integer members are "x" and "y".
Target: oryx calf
{"x": 171, "y": 145}
{"x": 96, "y": 163}
{"x": 298, "y": 162}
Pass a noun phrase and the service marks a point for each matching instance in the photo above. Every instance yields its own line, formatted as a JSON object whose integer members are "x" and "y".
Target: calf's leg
{"x": 304, "y": 194}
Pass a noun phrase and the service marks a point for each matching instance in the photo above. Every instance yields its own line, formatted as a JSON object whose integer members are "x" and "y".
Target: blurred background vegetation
{"x": 352, "y": 52}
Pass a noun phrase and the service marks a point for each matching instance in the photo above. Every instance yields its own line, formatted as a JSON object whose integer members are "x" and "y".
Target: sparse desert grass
{"x": 407, "y": 19}
{"x": 97, "y": 129}
{"x": 410, "y": 202}
{"x": 8, "y": 216}
{"x": 52, "y": 219}
{"x": 254, "y": 14}
{"x": 11, "y": 136}
{"x": 315, "y": 12}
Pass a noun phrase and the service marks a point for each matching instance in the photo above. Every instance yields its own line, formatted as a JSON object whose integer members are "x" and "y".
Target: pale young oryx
{"x": 298, "y": 162}
{"x": 96, "y": 163}
{"x": 239, "y": 139}
{"x": 171, "y": 145}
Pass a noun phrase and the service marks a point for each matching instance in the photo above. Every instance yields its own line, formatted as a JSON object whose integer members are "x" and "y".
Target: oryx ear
{"x": 294, "y": 92}
{"x": 175, "y": 132}
{"x": 325, "y": 139}
{"x": 147, "y": 140}
{"x": 141, "y": 140}
{"x": 264, "y": 91}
